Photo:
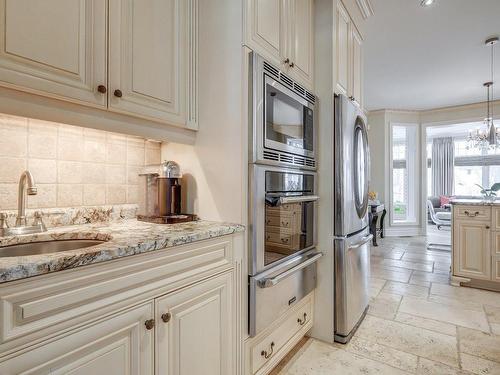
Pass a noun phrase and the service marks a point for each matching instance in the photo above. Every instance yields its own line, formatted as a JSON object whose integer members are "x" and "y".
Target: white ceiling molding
{"x": 365, "y": 7}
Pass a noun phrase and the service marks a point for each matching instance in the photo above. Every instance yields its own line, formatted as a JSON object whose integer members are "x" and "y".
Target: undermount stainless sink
{"x": 46, "y": 247}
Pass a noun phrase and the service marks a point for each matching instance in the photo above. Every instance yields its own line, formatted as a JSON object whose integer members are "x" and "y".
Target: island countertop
{"x": 475, "y": 202}
{"x": 123, "y": 238}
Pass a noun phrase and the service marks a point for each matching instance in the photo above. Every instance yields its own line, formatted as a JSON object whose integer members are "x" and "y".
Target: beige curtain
{"x": 442, "y": 164}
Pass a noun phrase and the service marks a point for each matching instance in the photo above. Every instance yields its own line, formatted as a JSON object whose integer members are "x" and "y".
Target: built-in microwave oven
{"x": 282, "y": 117}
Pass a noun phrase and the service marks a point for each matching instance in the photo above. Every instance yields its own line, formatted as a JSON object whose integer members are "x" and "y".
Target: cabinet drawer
{"x": 473, "y": 212}
{"x": 34, "y": 308}
{"x": 495, "y": 242}
{"x": 279, "y": 221}
{"x": 270, "y": 345}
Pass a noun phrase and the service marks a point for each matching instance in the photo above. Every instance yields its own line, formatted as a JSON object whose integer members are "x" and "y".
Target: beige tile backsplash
{"x": 72, "y": 166}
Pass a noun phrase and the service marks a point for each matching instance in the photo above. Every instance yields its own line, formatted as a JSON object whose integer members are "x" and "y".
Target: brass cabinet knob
{"x": 292, "y": 64}
{"x": 166, "y": 317}
{"x": 150, "y": 323}
{"x": 352, "y": 98}
{"x": 102, "y": 89}
{"x": 287, "y": 61}
{"x": 118, "y": 93}
{"x": 302, "y": 321}
{"x": 487, "y": 227}
{"x": 267, "y": 354}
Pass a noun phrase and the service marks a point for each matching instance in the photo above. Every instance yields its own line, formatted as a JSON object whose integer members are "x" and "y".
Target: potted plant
{"x": 491, "y": 193}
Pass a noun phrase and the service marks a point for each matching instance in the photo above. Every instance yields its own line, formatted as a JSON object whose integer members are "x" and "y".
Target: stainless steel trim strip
{"x": 299, "y": 199}
{"x": 362, "y": 242}
{"x": 272, "y": 281}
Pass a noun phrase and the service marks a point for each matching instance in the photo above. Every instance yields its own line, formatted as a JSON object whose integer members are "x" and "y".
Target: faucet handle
{"x": 3, "y": 221}
{"x": 38, "y": 221}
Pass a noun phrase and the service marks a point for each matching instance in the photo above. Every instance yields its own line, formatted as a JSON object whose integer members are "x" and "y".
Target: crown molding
{"x": 365, "y": 7}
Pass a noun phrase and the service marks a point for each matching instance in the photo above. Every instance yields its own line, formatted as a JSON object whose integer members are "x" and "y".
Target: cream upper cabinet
{"x": 349, "y": 56}
{"x": 302, "y": 40}
{"x": 149, "y": 58}
{"x": 472, "y": 249}
{"x": 120, "y": 344}
{"x": 343, "y": 26}
{"x": 55, "y": 48}
{"x": 194, "y": 331}
{"x": 357, "y": 68}
{"x": 282, "y": 32}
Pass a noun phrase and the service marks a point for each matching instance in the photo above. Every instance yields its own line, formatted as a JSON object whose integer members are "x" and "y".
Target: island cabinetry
{"x": 476, "y": 244}
{"x": 143, "y": 314}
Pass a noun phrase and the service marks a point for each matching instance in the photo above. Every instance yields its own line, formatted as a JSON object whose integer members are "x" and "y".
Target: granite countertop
{"x": 474, "y": 202}
{"x": 124, "y": 238}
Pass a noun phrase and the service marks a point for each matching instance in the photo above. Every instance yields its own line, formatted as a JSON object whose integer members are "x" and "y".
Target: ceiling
{"x": 418, "y": 58}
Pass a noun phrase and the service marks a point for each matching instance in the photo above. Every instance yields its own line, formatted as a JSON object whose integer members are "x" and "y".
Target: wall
{"x": 72, "y": 166}
{"x": 214, "y": 168}
{"x": 379, "y": 139}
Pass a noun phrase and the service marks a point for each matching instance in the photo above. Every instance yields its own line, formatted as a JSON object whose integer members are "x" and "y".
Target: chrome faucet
{"x": 26, "y": 178}
{"x": 26, "y": 187}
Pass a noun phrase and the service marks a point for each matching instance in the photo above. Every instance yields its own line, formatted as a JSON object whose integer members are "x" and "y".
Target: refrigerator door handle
{"x": 272, "y": 281}
{"x": 362, "y": 242}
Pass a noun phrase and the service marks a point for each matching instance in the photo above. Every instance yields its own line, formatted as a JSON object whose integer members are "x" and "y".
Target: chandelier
{"x": 490, "y": 137}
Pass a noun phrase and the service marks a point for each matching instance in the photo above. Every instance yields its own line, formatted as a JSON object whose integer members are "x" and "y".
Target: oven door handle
{"x": 272, "y": 281}
{"x": 362, "y": 242}
{"x": 298, "y": 199}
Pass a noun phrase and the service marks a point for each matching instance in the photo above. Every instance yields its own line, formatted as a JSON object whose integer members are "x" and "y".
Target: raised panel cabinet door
{"x": 357, "y": 66}
{"x": 302, "y": 41}
{"x": 496, "y": 269}
{"x": 151, "y": 53}
{"x": 55, "y": 48}
{"x": 266, "y": 28}
{"x": 472, "y": 253}
{"x": 120, "y": 344}
{"x": 343, "y": 25}
{"x": 194, "y": 331}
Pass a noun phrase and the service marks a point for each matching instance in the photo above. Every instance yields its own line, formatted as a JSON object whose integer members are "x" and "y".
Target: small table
{"x": 376, "y": 210}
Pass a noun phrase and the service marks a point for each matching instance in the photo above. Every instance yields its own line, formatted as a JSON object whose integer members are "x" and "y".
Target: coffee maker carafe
{"x": 160, "y": 194}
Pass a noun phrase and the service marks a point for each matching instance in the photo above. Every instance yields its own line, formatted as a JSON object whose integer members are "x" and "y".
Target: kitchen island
{"x": 476, "y": 243}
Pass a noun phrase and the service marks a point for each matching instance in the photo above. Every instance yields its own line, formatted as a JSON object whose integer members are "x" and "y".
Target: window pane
{"x": 466, "y": 179}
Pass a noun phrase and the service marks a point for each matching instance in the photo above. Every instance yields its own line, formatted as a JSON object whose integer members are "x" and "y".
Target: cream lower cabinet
{"x": 117, "y": 345}
{"x": 171, "y": 312}
{"x": 192, "y": 329}
{"x": 472, "y": 254}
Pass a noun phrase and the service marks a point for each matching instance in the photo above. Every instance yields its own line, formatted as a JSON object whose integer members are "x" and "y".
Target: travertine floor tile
{"x": 467, "y": 294}
{"x": 381, "y": 353}
{"x": 445, "y": 313}
{"x": 430, "y": 324}
{"x": 418, "y": 341}
{"x": 479, "y": 366}
{"x": 376, "y": 286}
{"x": 479, "y": 344}
{"x": 385, "y": 305}
{"x": 433, "y": 277}
{"x": 322, "y": 359}
{"x": 428, "y": 367}
{"x": 382, "y": 273}
{"x": 492, "y": 313}
{"x": 427, "y": 267}
{"x": 406, "y": 289}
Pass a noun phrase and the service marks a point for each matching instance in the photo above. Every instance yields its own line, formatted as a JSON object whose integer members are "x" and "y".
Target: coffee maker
{"x": 160, "y": 194}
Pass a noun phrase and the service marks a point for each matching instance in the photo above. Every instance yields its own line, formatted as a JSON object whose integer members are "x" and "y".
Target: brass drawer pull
{"x": 166, "y": 317}
{"x": 118, "y": 93}
{"x": 302, "y": 321}
{"x": 102, "y": 89}
{"x": 471, "y": 214}
{"x": 285, "y": 223}
{"x": 150, "y": 323}
{"x": 285, "y": 240}
{"x": 267, "y": 355}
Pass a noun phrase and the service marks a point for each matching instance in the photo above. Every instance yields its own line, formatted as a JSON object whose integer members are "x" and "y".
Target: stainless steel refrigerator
{"x": 352, "y": 237}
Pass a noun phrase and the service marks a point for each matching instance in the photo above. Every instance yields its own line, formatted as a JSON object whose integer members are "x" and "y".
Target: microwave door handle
{"x": 272, "y": 281}
{"x": 362, "y": 242}
{"x": 298, "y": 199}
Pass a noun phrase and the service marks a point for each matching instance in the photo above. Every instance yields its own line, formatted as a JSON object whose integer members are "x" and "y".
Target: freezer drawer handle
{"x": 362, "y": 242}
{"x": 299, "y": 199}
{"x": 272, "y": 281}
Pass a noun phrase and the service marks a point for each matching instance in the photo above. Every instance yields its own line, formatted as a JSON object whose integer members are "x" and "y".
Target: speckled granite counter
{"x": 124, "y": 238}
{"x": 475, "y": 202}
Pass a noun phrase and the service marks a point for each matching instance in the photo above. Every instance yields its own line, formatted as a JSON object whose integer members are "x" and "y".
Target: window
{"x": 403, "y": 173}
{"x": 474, "y": 167}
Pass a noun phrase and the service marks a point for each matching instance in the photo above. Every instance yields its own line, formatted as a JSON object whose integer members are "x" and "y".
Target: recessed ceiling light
{"x": 426, "y": 3}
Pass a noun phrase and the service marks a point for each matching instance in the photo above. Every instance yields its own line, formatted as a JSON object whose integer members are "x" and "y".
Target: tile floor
{"x": 416, "y": 324}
